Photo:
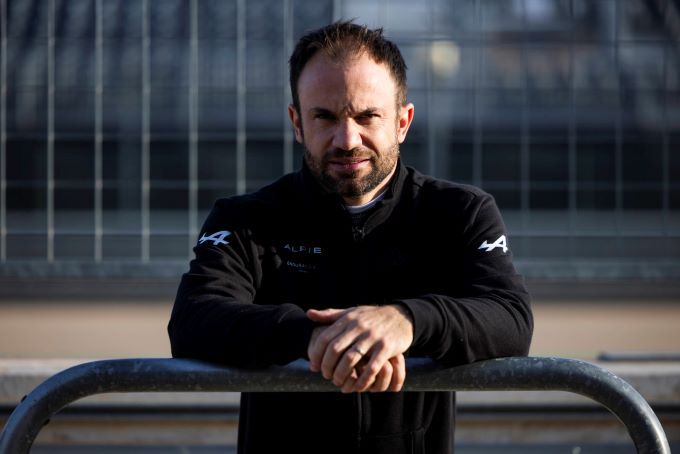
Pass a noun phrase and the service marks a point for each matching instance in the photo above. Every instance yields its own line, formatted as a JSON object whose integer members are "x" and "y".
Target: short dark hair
{"x": 342, "y": 39}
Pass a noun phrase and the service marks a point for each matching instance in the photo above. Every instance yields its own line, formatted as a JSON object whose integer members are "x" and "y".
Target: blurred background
{"x": 121, "y": 122}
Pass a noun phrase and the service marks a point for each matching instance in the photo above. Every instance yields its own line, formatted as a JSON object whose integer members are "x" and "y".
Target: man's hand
{"x": 361, "y": 349}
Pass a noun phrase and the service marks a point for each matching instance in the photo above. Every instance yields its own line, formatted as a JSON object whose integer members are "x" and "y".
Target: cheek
{"x": 384, "y": 137}
{"x": 313, "y": 145}
{"x": 316, "y": 136}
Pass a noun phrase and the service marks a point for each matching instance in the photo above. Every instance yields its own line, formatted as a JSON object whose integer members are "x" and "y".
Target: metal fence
{"x": 138, "y": 375}
{"x": 122, "y": 121}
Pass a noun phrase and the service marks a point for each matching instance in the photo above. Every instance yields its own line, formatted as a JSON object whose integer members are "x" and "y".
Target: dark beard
{"x": 348, "y": 184}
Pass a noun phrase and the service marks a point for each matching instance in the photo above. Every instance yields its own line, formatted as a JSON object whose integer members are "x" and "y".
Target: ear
{"x": 404, "y": 119}
{"x": 296, "y": 121}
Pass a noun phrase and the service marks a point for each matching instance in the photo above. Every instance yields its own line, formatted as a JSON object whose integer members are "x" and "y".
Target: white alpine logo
{"x": 500, "y": 242}
{"x": 217, "y": 238}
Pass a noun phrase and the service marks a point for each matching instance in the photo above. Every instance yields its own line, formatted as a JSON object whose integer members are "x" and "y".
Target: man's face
{"x": 350, "y": 125}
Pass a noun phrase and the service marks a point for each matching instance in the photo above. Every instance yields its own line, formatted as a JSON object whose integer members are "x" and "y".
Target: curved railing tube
{"x": 505, "y": 374}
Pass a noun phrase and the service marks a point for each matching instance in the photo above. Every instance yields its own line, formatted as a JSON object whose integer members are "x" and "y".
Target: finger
{"x": 312, "y": 339}
{"x": 337, "y": 349}
{"x": 347, "y": 363}
{"x": 318, "y": 345}
{"x": 383, "y": 379}
{"x": 374, "y": 365}
{"x": 348, "y": 386}
{"x": 398, "y": 372}
{"x": 325, "y": 316}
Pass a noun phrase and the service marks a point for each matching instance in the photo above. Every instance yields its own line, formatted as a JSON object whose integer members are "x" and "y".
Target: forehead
{"x": 355, "y": 80}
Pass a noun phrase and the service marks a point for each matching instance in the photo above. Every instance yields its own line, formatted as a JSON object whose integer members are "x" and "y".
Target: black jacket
{"x": 262, "y": 259}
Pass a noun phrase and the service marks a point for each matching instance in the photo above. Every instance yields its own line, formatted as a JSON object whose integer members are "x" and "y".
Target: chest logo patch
{"x": 301, "y": 256}
{"x": 501, "y": 242}
{"x": 302, "y": 249}
{"x": 217, "y": 238}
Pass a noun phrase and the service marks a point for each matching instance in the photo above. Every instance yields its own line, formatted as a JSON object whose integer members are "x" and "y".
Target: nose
{"x": 346, "y": 135}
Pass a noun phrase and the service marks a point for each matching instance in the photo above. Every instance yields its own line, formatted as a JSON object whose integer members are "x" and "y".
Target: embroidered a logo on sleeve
{"x": 501, "y": 242}
{"x": 217, "y": 238}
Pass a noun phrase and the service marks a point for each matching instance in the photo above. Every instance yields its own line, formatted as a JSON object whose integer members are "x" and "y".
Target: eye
{"x": 325, "y": 116}
{"x": 366, "y": 117}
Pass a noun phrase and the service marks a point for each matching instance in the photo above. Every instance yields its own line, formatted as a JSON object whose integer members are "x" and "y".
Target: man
{"x": 354, "y": 262}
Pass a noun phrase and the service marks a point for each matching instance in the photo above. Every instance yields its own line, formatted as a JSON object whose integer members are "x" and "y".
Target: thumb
{"x": 325, "y": 316}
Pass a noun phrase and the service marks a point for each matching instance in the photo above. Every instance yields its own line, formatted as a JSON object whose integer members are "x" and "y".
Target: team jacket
{"x": 439, "y": 249}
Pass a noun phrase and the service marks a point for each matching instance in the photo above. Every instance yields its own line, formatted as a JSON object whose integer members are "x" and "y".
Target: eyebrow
{"x": 324, "y": 111}
{"x": 370, "y": 110}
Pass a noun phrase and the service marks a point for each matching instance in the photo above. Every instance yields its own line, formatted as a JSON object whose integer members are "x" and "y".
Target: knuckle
{"x": 363, "y": 325}
{"x": 374, "y": 368}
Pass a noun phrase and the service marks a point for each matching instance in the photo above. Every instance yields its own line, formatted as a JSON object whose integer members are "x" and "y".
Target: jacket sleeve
{"x": 215, "y": 317}
{"x": 488, "y": 315}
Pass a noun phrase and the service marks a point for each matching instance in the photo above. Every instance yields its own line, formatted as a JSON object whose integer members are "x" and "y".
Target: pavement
{"x": 111, "y": 329}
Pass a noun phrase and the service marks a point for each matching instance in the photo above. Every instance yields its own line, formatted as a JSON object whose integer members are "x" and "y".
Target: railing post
{"x": 510, "y": 374}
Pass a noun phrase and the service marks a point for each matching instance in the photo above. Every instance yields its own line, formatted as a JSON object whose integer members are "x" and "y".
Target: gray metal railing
{"x": 510, "y": 374}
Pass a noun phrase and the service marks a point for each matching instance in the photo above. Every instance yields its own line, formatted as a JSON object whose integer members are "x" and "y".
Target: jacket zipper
{"x": 357, "y": 233}
{"x": 360, "y": 420}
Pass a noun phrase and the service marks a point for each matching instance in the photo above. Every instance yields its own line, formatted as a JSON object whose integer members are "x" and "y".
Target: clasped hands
{"x": 361, "y": 348}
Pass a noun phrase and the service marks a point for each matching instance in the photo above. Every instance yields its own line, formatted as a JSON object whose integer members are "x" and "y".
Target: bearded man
{"x": 353, "y": 263}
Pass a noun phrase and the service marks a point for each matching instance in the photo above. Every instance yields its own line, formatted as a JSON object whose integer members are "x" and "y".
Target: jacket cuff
{"x": 293, "y": 333}
{"x": 427, "y": 323}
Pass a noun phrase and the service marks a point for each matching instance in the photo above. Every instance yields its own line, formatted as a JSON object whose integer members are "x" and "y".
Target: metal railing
{"x": 505, "y": 374}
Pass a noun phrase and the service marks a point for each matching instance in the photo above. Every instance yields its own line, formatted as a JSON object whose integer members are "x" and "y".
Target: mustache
{"x": 355, "y": 153}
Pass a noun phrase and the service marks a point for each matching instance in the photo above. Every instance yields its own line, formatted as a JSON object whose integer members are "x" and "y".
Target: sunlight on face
{"x": 350, "y": 124}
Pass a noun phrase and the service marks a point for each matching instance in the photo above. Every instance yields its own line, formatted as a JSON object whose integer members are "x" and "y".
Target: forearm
{"x": 213, "y": 326}
{"x": 461, "y": 330}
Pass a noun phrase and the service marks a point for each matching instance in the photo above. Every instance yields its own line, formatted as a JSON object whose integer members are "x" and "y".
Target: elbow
{"x": 522, "y": 336}
{"x": 178, "y": 341}
{"x": 522, "y": 345}
{"x": 520, "y": 326}
{"x": 185, "y": 339}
